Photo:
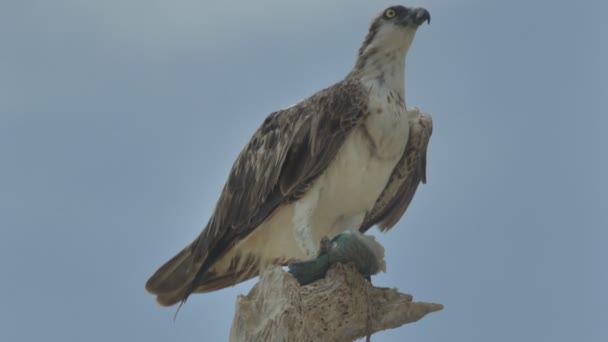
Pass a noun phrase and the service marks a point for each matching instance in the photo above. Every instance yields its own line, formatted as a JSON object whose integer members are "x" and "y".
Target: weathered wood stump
{"x": 343, "y": 306}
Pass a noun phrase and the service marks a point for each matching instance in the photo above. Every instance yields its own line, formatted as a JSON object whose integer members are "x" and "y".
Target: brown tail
{"x": 172, "y": 277}
{"x": 175, "y": 280}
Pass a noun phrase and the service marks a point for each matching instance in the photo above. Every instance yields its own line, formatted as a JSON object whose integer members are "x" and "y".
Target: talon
{"x": 325, "y": 245}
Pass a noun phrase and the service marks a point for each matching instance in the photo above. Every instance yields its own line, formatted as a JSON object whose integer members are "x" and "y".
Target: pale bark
{"x": 343, "y": 306}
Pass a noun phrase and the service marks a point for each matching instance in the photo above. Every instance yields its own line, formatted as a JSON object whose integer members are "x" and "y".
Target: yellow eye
{"x": 390, "y": 13}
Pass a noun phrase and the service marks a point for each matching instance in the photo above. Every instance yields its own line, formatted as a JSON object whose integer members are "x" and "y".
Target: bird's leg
{"x": 324, "y": 246}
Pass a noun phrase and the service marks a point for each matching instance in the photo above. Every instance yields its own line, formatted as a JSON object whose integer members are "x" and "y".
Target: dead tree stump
{"x": 343, "y": 306}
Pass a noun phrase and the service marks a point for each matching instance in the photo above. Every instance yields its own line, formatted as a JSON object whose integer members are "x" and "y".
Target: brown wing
{"x": 291, "y": 148}
{"x": 409, "y": 172}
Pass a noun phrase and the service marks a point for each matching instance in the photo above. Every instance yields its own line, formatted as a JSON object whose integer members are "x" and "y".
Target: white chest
{"x": 387, "y": 124}
{"x": 351, "y": 184}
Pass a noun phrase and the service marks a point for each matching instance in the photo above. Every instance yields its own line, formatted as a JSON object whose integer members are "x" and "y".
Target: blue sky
{"x": 119, "y": 121}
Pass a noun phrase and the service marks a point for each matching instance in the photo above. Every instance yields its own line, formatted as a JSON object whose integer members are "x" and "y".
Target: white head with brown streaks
{"x": 382, "y": 54}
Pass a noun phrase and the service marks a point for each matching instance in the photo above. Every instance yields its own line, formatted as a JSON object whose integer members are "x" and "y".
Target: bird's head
{"x": 393, "y": 30}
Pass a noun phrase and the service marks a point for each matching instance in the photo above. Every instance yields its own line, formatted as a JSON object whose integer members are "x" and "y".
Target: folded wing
{"x": 409, "y": 172}
{"x": 285, "y": 155}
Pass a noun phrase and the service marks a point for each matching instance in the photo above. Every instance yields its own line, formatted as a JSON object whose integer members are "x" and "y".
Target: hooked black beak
{"x": 420, "y": 15}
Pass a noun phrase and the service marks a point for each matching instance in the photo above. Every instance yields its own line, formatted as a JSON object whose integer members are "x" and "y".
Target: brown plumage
{"x": 408, "y": 174}
{"x": 294, "y": 147}
{"x": 291, "y": 148}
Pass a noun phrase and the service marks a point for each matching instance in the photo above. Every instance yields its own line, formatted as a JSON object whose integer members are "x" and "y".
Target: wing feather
{"x": 409, "y": 172}
{"x": 289, "y": 150}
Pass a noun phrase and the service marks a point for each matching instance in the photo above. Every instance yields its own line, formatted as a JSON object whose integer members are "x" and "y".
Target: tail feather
{"x": 171, "y": 298}
{"x": 207, "y": 285}
{"x": 216, "y": 282}
{"x": 174, "y": 281}
{"x": 173, "y": 275}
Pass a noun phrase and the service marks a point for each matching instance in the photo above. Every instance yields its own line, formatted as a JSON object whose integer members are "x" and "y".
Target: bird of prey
{"x": 349, "y": 156}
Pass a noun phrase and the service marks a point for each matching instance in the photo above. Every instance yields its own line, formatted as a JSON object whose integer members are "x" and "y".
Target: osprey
{"x": 349, "y": 156}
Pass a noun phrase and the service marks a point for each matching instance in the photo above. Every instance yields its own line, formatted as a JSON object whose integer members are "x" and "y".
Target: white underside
{"x": 339, "y": 198}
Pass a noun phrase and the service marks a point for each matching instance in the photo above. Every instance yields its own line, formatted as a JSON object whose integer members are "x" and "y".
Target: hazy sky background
{"x": 119, "y": 121}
